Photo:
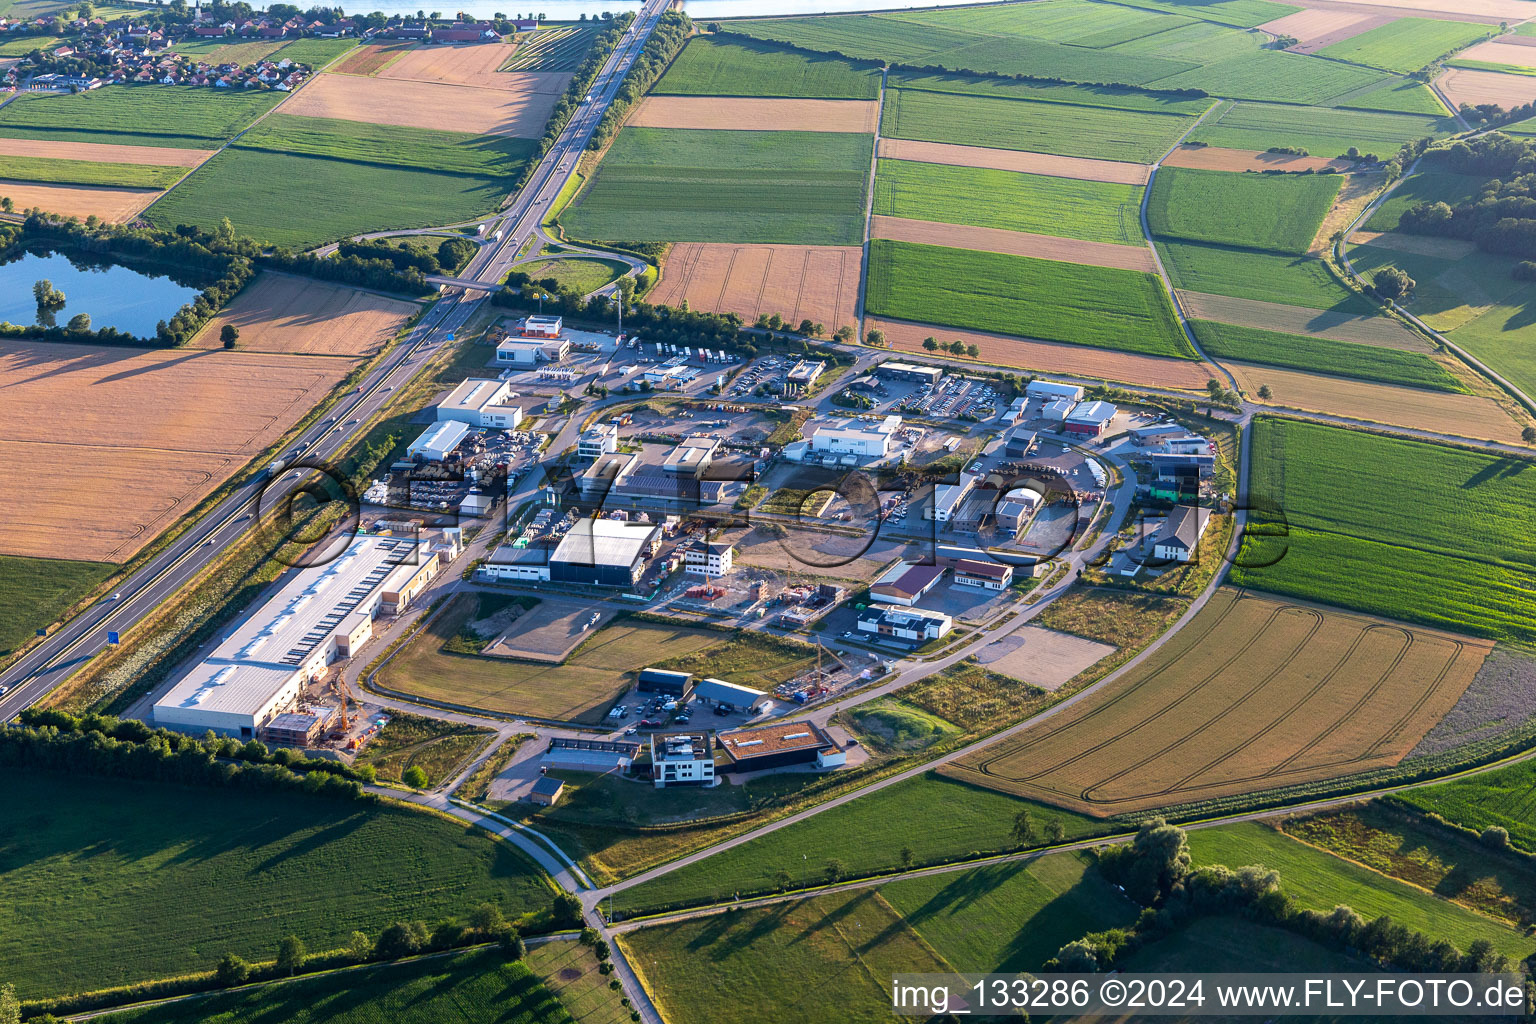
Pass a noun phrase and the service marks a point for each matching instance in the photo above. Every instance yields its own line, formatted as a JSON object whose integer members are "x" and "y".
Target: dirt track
{"x": 1214, "y": 158}
{"x": 756, "y": 114}
{"x": 302, "y": 316}
{"x": 105, "y": 153}
{"x": 1272, "y": 316}
{"x": 110, "y": 204}
{"x": 455, "y": 108}
{"x": 1051, "y": 357}
{"x": 1016, "y": 160}
{"x": 1017, "y": 243}
{"x": 819, "y": 283}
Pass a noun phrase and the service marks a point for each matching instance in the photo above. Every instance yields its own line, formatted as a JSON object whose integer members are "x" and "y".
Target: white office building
{"x": 859, "y": 438}
{"x": 598, "y": 440}
{"x": 481, "y": 403}
{"x": 682, "y": 758}
{"x": 1050, "y": 391}
{"x": 708, "y": 559}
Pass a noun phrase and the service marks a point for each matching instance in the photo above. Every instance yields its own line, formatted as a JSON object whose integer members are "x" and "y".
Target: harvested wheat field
{"x": 764, "y": 115}
{"x": 1347, "y": 206}
{"x": 1463, "y": 415}
{"x": 1113, "y": 171}
{"x": 96, "y": 152}
{"x": 1255, "y": 693}
{"x": 1498, "y": 51}
{"x": 799, "y": 282}
{"x": 179, "y": 422}
{"x": 1043, "y": 657}
{"x": 109, "y": 204}
{"x": 1052, "y": 357}
{"x": 1486, "y": 12}
{"x": 1017, "y": 243}
{"x": 1273, "y": 316}
{"x": 1314, "y": 30}
{"x": 1462, "y": 85}
{"x": 450, "y": 108}
{"x": 1418, "y": 245}
{"x": 1214, "y": 158}
{"x": 470, "y": 65}
{"x": 300, "y": 315}
{"x": 370, "y": 59}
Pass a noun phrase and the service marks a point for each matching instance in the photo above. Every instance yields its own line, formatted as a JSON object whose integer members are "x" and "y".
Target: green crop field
{"x": 477, "y": 987}
{"x": 23, "y": 45}
{"x": 1049, "y": 92}
{"x": 1037, "y": 203}
{"x": 1235, "y": 944}
{"x": 551, "y": 49}
{"x": 1276, "y": 212}
{"x": 1424, "y": 187}
{"x": 1245, "y": 274}
{"x": 678, "y": 185}
{"x": 317, "y": 53}
{"x": 146, "y": 115}
{"x": 1277, "y": 76}
{"x": 1505, "y": 797}
{"x": 577, "y": 273}
{"x": 121, "y": 873}
{"x": 719, "y": 67}
{"x": 1410, "y": 530}
{"x": 223, "y": 50}
{"x": 391, "y": 145}
{"x": 866, "y": 834}
{"x": 1125, "y": 310}
{"x": 36, "y": 591}
{"x": 1400, "y": 95}
{"x": 87, "y": 172}
{"x": 1320, "y": 131}
{"x": 1407, "y": 44}
{"x": 1321, "y": 881}
{"x": 1049, "y": 127}
{"x": 254, "y": 189}
{"x": 1240, "y": 13}
{"x": 1323, "y": 355}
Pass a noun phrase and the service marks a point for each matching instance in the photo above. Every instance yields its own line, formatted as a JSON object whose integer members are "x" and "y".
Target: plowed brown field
{"x": 1214, "y": 158}
{"x": 756, "y": 114}
{"x": 1017, "y": 243}
{"x": 1314, "y": 30}
{"x": 470, "y": 65}
{"x": 294, "y": 314}
{"x": 1461, "y": 85}
{"x": 1463, "y": 415}
{"x": 143, "y": 436}
{"x": 110, "y": 204}
{"x": 1500, "y": 51}
{"x": 820, "y": 283}
{"x": 96, "y": 152}
{"x": 1050, "y": 357}
{"x": 1272, "y": 316}
{"x": 1115, "y": 171}
{"x": 1487, "y": 12}
{"x": 455, "y": 108}
{"x": 1254, "y": 694}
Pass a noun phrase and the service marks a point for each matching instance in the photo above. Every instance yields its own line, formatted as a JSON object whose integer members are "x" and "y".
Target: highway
{"x": 51, "y": 661}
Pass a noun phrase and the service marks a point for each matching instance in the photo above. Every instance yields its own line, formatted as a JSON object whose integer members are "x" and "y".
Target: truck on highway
{"x": 276, "y": 466}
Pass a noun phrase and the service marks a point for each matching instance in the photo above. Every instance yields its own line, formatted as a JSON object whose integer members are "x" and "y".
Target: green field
{"x": 1279, "y": 77}
{"x": 719, "y": 67}
{"x": 1049, "y": 92}
{"x": 1505, "y": 797}
{"x": 317, "y": 53}
{"x": 1234, "y": 944}
{"x": 230, "y": 49}
{"x": 552, "y": 49}
{"x": 1405, "y": 529}
{"x": 1319, "y": 881}
{"x": 1040, "y": 204}
{"x": 579, "y": 274}
{"x": 1276, "y": 212}
{"x": 676, "y": 185}
{"x": 1424, "y": 187}
{"x": 87, "y": 172}
{"x": 1118, "y": 309}
{"x": 34, "y": 592}
{"x": 478, "y": 987}
{"x": 1402, "y": 96}
{"x": 1324, "y": 355}
{"x": 23, "y": 45}
{"x": 866, "y": 834}
{"x": 1038, "y": 127}
{"x": 123, "y": 874}
{"x": 1245, "y": 274}
{"x": 145, "y": 115}
{"x": 1407, "y": 44}
{"x": 1321, "y": 131}
{"x": 1241, "y": 13}
{"x": 254, "y": 189}
{"x": 391, "y": 145}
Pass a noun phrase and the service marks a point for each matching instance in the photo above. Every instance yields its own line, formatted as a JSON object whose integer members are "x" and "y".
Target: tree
{"x": 567, "y": 909}
{"x": 834, "y": 871}
{"x": 229, "y": 334}
{"x": 1077, "y": 957}
{"x": 931, "y": 343}
{"x": 1055, "y": 831}
{"x": 231, "y": 971}
{"x": 1265, "y": 393}
{"x": 1528, "y": 435}
{"x": 844, "y": 333}
{"x": 359, "y": 946}
{"x": 875, "y": 337}
{"x": 1496, "y": 837}
{"x": 1214, "y": 387}
{"x": 1392, "y": 283}
{"x": 973, "y": 350}
{"x": 601, "y": 949}
{"x": 79, "y": 323}
{"x": 47, "y": 296}
{"x": 512, "y": 944}
{"x": 1023, "y": 828}
{"x": 400, "y": 939}
{"x": 290, "y": 954}
{"x": 415, "y": 777}
{"x": 7, "y": 204}
{"x": 10, "y": 1006}
{"x": 906, "y": 858}
{"x": 807, "y": 326}
{"x": 1158, "y": 858}
{"x": 487, "y": 919}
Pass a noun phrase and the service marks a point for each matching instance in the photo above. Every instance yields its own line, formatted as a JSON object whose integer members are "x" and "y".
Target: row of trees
{"x": 1501, "y": 218}
{"x": 451, "y": 254}
{"x": 667, "y": 38}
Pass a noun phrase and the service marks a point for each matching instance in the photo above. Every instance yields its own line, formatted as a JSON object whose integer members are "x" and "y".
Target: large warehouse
{"x": 318, "y": 615}
{"x": 604, "y": 553}
{"x": 481, "y": 403}
{"x": 853, "y": 437}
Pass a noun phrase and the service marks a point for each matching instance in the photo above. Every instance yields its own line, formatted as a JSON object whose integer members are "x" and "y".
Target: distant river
{"x": 571, "y": 10}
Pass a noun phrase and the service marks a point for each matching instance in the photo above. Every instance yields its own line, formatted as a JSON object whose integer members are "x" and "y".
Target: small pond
{"x": 115, "y": 296}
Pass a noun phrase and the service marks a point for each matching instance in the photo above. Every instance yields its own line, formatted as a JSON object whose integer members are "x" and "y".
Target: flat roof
{"x": 244, "y": 672}
{"x": 604, "y": 542}
{"x": 773, "y": 739}
{"x": 1093, "y": 412}
{"x": 726, "y": 692}
{"x": 476, "y": 394}
{"x": 541, "y": 319}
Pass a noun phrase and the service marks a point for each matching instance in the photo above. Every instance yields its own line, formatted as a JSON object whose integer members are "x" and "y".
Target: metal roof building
{"x": 722, "y": 692}
{"x": 438, "y": 441}
{"x": 604, "y": 552}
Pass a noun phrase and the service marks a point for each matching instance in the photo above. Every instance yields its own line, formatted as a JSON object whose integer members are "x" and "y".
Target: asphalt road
{"x": 83, "y": 637}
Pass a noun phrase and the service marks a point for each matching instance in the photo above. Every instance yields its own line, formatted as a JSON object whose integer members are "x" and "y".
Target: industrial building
{"x": 691, "y": 456}
{"x": 662, "y": 681}
{"x": 985, "y": 575}
{"x": 910, "y": 626}
{"x": 1155, "y": 433}
{"x": 539, "y": 325}
{"x": 481, "y": 403}
{"x": 604, "y": 553}
{"x": 598, "y": 440}
{"x": 802, "y": 375}
{"x": 690, "y": 477}
{"x": 1016, "y": 510}
{"x": 438, "y": 441}
{"x": 905, "y": 583}
{"x": 1050, "y": 391}
{"x": 1090, "y": 419}
{"x": 861, "y": 439}
{"x": 531, "y": 351}
{"x": 318, "y": 615}
{"x": 732, "y": 695}
{"x": 578, "y": 754}
{"x": 947, "y": 499}
{"x": 1180, "y": 534}
{"x": 682, "y": 759}
{"x": 779, "y": 746}
{"x": 913, "y": 372}
{"x": 1020, "y": 443}
{"x": 708, "y": 559}
{"x": 1056, "y": 410}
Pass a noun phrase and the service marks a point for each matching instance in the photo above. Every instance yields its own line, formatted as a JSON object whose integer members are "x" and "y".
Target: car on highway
{"x": 4, "y": 690}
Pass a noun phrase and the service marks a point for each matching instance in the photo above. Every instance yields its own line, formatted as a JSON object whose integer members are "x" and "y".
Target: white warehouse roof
{"x": 439, "y": 439}
{"x": 727, "y": 693}
{"x": 1093, "y": 412}
{"x": 603, "y": 542}
{"x": 475, "y": 394}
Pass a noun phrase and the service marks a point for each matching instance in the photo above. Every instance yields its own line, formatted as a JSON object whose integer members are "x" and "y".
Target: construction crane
{"x": 344, "y": 697}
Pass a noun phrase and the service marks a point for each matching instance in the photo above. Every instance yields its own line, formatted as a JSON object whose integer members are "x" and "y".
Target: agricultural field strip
{"x": 1082, "y": 168}
{"x": 1016, "y": 243}
{"x": 1324, "y": 356}
{"x": 1273, "y": 213}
